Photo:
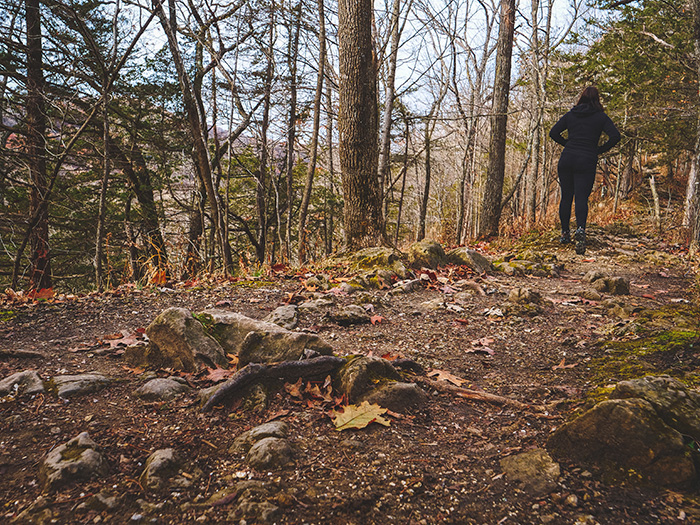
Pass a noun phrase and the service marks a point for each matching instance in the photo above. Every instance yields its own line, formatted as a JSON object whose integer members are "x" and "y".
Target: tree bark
{"x": 491, "y": 204}
{"x": 40, "y": 274}
{"x": 357, "y": 125}
{"x": 293, "y": 48}
{"x": 695, "y": 190}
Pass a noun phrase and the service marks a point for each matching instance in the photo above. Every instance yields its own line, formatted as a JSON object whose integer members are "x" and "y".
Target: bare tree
{"x": 490, "y": 212}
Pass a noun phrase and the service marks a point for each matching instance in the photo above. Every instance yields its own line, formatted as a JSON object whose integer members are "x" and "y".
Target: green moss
{"x": 6, "y": 315}
{"x": 252, "y": 283}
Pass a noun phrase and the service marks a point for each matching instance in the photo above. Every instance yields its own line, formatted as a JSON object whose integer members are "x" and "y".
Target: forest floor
{"x": 440, "y": 464}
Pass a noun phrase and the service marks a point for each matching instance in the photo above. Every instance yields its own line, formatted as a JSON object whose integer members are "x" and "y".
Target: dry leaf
{"x": 218, "y": 374}
{"x": 562, "y": 365}
{"x": 294, "y": 389}
{"x": 441, "y": 375}
{"x": 359, "y": 416}
{"x": 376, "y": 319}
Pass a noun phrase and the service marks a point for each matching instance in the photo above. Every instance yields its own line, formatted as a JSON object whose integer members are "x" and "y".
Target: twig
{"x": 474, "y": 395}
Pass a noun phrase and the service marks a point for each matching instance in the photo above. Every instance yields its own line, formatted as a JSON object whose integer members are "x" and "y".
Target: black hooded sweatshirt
{"x": 585, "y": 124}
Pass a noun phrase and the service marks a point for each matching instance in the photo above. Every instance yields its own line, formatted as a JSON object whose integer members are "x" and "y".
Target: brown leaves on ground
{"x": 441, "y": 375}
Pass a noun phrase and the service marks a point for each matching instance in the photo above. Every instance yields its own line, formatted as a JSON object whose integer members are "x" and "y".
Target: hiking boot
{"x": 580, "y": 238}
{"x": 565, "y": 237}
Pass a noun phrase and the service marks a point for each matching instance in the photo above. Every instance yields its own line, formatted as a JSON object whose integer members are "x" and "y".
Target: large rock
{"x": 463, "y": 256}
{"x": 256, "y": 341}
{"x": 378, "y": 258}
{"x": 625, "y": 439}
{"x": 533, "y": 471}
{"x": 80, "y": 384}
{"x": 363, "y": 374}
{"x": 426, "y": 254}
{"x": 26, "y": 382}
{"x": 179, "y": 341}
{"x": 349, "y": 315}
{"x": 162, "y": 389}
{"x": 76, "y": 460}
{"x": 677, "y": 405}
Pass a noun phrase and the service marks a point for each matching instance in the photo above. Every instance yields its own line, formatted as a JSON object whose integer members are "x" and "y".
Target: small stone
{"x": 270, "y": 453}
{"x": 242, "y": 443}
{"x": 571, "y": 500}
{"x": 26, "y": 382}
{"x": 76, "y": 385}
{"x": 286, "y": 316}
{"x": 162, "y": 389}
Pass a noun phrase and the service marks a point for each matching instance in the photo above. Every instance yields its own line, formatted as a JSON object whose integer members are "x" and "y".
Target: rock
{"x": 161, "y": 470}
{"x": 162, "y": 389}
{"x": 74, "y": 461}
{"x": 510, "y": 269}
{"x": 397, "y": 397}
{"x": 594, "y": 275}
{"x": 286, "y": 316}
{"x": 242, "y": 443}
{"x": 316, "y": 304}
{"x": 99, "y": 503}
{"x": 433, "y": 304}
{"x": 534, "y": 471}
{"x": 677, "y": 405}
{"x": 426, "y": 254}
{"x": 256, "y": 341}
{"x": 362, "y": 374}
{"x": 625, "y": 439}
{"x": 270, "y": 453}
{"x": 408, "y": 286}
{"x": 378, "y": 257}
{"x": 76, "y": 385}
{"x": 26, "y": 382}
{"x": 465, "y": 257}
{"x": 600, "y": 285}
{"x": 524, "y": 296}
{"x": 590, "y": 295}
{"x": 251, "y": 503}
{"x": 178, "y": 341}
{"x": 618, "y": 286}
{"x": 349, "y": 315}
{"x": 317, "y": 282}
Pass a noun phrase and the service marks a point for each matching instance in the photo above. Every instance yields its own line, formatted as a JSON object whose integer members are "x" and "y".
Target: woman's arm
{"x": 557, "y": 130}
{"x": 613, "y": 136}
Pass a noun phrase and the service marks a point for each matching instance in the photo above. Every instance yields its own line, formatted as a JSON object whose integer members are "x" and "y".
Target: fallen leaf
{"x": 359, "y": 416}
{"x": 562, "y": 365}
{"x": 294, "y": 389}
{"x": 43, "y": 293}
{"x": 391, "y": 357}
{"x": 225, "y": 302}
{"x": 136, "y": 371}
{"x": 649, "y": 296}
{"x": 279, "y": 414}
{"x": 463, "y": 322}
{"x": 484, "y": 341}
{"x": 376, "y": 319}
{"x": 218, "y": 374}
{"x": 441, "y": 375}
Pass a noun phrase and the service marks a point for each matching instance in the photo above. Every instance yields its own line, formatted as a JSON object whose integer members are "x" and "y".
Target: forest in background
{"x": 148, "y": 141}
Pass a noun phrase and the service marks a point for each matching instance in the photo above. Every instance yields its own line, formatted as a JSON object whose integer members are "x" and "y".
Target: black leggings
{"x": 576, "y": 177}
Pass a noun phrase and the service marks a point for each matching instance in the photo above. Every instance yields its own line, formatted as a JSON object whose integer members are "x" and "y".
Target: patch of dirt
{"x": 439, "y": 465}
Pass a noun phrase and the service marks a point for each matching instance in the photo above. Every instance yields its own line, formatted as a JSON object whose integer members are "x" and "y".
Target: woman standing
{"x": 577, "y": 165}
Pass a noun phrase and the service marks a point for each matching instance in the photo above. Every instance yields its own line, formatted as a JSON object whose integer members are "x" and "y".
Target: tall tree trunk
{"x": 262, "y": 175}
{"x": 425, "y": 197}
{"x": 313, "y": 154}
{"x": 194, "y": 119}
{"x": 40, "y": 274}
{"x": 329, "y": 210}
{"x": 695, "y": 191}
{"x": 291, "y": 133}
{"x": 357, "y": 125}
{"x": 491, "y": 204}
{"x": 389, "y": 94}
{"x": 102, "y": 210}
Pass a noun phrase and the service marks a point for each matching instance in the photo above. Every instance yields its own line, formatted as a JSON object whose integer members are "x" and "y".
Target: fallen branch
{"x": 287, "y": 371}
{"x": 474, "y": 395}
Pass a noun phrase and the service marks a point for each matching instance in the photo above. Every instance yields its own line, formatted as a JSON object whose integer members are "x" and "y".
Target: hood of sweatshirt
{"x": 584, "y": 110}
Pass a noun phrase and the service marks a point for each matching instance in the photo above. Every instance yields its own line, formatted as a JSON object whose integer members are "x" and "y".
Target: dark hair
{"x": 590, "y": 96}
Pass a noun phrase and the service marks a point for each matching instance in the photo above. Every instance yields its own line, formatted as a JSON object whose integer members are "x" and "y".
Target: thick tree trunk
{"x": 40, "y": 274}
{"x": 291, "y": 133}
{"x": 357, "y": 125}
{"x": 313, "y": 154}
{"x": 102, "y": 210}
{"x": 425, "y": 197}
{"x": 491, "y": 204}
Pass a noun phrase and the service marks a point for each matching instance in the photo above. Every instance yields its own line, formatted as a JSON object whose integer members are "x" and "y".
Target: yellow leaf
{"x": 359, "y": 416}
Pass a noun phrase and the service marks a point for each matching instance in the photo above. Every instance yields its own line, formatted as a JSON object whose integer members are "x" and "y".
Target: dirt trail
{"x": 440, "y": 465}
